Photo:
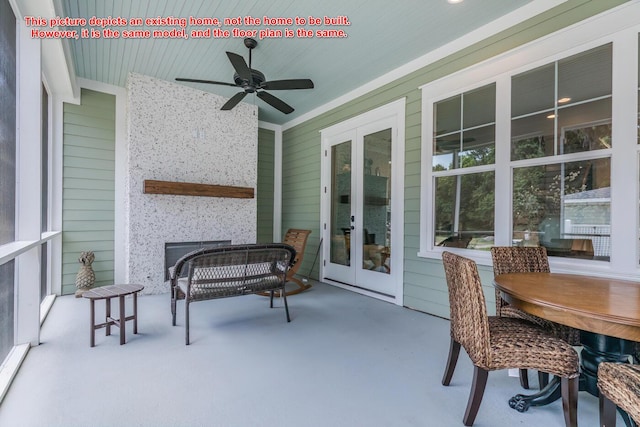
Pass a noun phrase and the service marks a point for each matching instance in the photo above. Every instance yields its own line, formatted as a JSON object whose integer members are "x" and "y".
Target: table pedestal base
{"x": 601, "y": 348}
{"x": 596, "y": 348}
{"x": 550, "y": 393}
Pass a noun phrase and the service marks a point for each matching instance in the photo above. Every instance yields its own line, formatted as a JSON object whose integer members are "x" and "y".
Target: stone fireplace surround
{"x": 178, "y": 134}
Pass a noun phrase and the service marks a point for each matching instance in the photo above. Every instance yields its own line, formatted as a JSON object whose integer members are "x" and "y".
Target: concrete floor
{"x": 344, "y": 360}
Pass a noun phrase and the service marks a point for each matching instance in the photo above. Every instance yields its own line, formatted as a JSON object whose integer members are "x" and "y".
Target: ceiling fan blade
{"x": 181, "y": 79}
{"x": 240, "y": 66}
{"x": 287, "y": 84}
{"x": 233, "y": 101}
{"x": 275, "y": 102}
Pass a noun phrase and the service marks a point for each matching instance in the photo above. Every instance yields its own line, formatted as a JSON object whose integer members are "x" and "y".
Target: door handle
{"x": 353, "y": 218}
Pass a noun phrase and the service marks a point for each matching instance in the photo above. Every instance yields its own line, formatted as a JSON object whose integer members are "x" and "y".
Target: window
{"x": 7, "y": 170}
{"x": 561, "y": 165}
{"x": 562, "y": 111}
{"x": 463, "y": 150}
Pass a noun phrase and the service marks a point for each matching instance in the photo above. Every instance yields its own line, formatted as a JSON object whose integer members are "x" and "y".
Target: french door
{"x": 360, "y": 223}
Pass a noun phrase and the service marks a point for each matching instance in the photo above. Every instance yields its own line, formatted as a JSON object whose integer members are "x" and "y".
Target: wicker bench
{"x": 228, "y": 271}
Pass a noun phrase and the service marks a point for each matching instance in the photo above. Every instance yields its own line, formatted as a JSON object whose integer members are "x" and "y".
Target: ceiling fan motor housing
{"x": 250, "y": 43}
{"x": 249, "y": 87}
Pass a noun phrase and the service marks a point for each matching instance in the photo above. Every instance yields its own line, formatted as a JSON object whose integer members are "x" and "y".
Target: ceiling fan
{"x": 253, "y": 81}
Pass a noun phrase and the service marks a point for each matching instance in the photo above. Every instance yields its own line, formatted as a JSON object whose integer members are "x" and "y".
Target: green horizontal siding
{"x": 106, "y": 112}
{"x": 424, "y": 287}
{"x": 80, "y": 172}
{"x": 99, "y": 164}
{"x": 87, "y": 131}
{"x": 264, "y": 196}
{"x": 88, "y": 153}
{"x": 88, "y": 187}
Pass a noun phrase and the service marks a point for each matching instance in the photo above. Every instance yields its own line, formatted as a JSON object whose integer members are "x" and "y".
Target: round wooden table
{"x": 595, "y": 304}
{"x": 607, "y": 311}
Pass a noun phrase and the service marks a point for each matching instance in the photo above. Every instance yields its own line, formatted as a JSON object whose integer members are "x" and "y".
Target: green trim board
{"x": 88, "y": 186}
{"x": 301, "y": 148}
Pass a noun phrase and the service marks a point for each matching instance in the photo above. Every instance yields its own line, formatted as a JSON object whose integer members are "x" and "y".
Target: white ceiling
{"x": 383, "y": 36}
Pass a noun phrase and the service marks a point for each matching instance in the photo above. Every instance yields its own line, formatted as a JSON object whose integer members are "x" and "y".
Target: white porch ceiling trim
{"x": 57, "y": 65}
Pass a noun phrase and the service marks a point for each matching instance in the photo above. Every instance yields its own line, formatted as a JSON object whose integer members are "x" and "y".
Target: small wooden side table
{"x": 107, "y": 293}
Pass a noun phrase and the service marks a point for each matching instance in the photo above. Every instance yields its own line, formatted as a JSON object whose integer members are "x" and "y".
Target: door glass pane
{"x": 565, "y": 207}
{"x": 340, "y": 252}
{"x": 376, "y": 212}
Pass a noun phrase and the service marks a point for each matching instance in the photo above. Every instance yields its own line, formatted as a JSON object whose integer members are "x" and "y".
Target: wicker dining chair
{"x": 494, "y": 343}
{"x": 515, "y": 259}
{"x": 619, "y": 385}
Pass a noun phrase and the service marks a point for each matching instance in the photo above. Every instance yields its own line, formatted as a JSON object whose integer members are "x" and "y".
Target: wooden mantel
{"x": 192, "y": 189}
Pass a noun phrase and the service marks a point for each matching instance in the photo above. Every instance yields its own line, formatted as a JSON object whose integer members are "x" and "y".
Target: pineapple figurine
{"x": 85, "y": 278}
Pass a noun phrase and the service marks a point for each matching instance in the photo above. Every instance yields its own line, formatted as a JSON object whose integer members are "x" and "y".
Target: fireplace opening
{"x": 173, "y": 251}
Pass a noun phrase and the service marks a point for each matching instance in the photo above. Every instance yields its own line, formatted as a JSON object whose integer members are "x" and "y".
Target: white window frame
{"x": 615, "y": 27}
{"x": 456, "y": 171}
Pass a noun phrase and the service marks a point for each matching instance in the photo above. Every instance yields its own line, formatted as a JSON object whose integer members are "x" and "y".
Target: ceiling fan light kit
{"x": 253, "y": 81}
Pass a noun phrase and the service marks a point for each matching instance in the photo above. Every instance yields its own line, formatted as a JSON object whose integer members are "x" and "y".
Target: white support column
{"x": 55, "y": 208}
{"x": 624, "y": 183}
{"x": 503, "y": 193}
{"x": 119, "y": 264}
{"x": 28, "y": 186}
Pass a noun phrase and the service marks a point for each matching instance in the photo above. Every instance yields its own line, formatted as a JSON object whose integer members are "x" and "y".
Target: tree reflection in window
{"x": 563, "y": 201}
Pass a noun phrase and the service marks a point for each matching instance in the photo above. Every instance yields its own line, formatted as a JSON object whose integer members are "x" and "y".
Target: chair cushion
{"x": 221, "y": 289}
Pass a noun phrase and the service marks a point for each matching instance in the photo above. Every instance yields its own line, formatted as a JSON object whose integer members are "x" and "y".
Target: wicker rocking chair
{"x": 494, "y": 343}
{"x": 298, "y": 239}
{"x": 513, "y": 259}
{"x": 619, "y": 385}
